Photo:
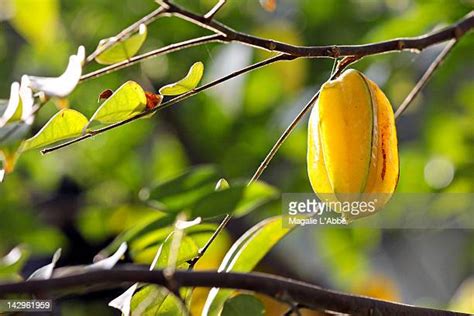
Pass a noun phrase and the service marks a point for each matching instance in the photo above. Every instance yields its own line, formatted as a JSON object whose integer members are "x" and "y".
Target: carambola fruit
{"x": 352, "y": 143}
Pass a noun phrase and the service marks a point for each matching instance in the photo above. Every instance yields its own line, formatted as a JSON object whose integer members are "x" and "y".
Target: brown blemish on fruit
{"x": 384, "y": 158}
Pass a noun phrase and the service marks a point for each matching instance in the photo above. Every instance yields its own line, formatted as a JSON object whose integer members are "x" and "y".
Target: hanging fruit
{"x": 352, "y": 143}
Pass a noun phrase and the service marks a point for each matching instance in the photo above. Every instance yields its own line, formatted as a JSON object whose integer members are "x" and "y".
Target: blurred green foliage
{"x": 93, "y": 187}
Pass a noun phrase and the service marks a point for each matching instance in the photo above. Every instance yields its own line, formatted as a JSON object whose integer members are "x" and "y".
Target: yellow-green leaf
{"x": 187, "y": 83}
{"x": 122, "y": 50}
{"x": 65, "y": 124}
{"x": 244, "y": 255}
{"x": 126, "y": 102}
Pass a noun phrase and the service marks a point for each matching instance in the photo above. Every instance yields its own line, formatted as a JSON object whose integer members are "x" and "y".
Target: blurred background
{"x": 81, "y": 197}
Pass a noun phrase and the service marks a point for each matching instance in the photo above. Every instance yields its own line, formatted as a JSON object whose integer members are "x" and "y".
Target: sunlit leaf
{"x": 243, "y": 304}
{"x": 65, "y": 124}
{"x": 181, "y": 224}
{"x": 172, "y": 306}
{"x": 186, "y": 84}
{"x": 13, "y": 109}
{"x": 154, "y": 300}
{"x": 46, "y": 272}
{"x": 122, "y": 50}
{"x": 19, "y": 106}
{"x": 144, "y": 249}
{"x": 124, "y": 103}
{"x": 12, "y": 263}
{"x": 244, "y": 255}
{"x": 222, "y": 184}
{"x": 27, "y": 101}
{"x": 109, "y": 263}
{"x": 144, "y": 227}
{"x": 187, "y": 251}
{"x": 122, "y": 302}
{"x": 63, "y": 85}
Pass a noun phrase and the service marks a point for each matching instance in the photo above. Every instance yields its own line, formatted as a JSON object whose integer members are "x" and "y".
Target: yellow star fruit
{"x": 352, "y": 143}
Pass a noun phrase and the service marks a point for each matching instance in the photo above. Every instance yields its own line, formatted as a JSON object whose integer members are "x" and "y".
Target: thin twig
{"x": 424, "y": 79}
{"x": 209, "y": 15}
{"x": 171, "y": 102}
{"x": 208, "y": 243}
{"x": 307, "y": 294}
{"x": 154, "y": 53}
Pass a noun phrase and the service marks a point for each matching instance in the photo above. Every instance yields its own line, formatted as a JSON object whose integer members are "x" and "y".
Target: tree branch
{"x": 454, "y": 31}
{"x": 303, "y": 293}
{"x": 424, "y": 79}
{"x": 171, "y": 102}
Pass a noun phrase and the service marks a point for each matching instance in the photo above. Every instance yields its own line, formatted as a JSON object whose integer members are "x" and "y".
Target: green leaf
{"x": 122, "y": 50}
{"x": 65, "y": 124}
{"x": 12, "y": 263}
{"x": 154, "y": 300}
{"x": 187, "y": 251}
{"x": 222, "y": 184}
{"x": 255, "y": 195}
{"x": 147, "y": 245}
{"x": 218, "y": 202}
{"x": 243, "y": 304}
{"x": 172, "y": 306}
{"x": 196, "y": 191}
{"x": 187, "y": 83}
{"x": 143, "y": 228}
{"x": 183, "y": 191}
{"x": 148, "y": 300}
{"x": 126, "y": 102}
{"x": 11, "y": 109}
{"x": 244, "y": 255}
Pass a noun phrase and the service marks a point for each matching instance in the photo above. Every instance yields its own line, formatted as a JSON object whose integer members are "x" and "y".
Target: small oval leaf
{"x": 222, "y": 184}
{"x": 186, "y": 84}
{"x": 124, "y": 103}
{"x": 65, "y": 124}
{"x": 122, "y": 50}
